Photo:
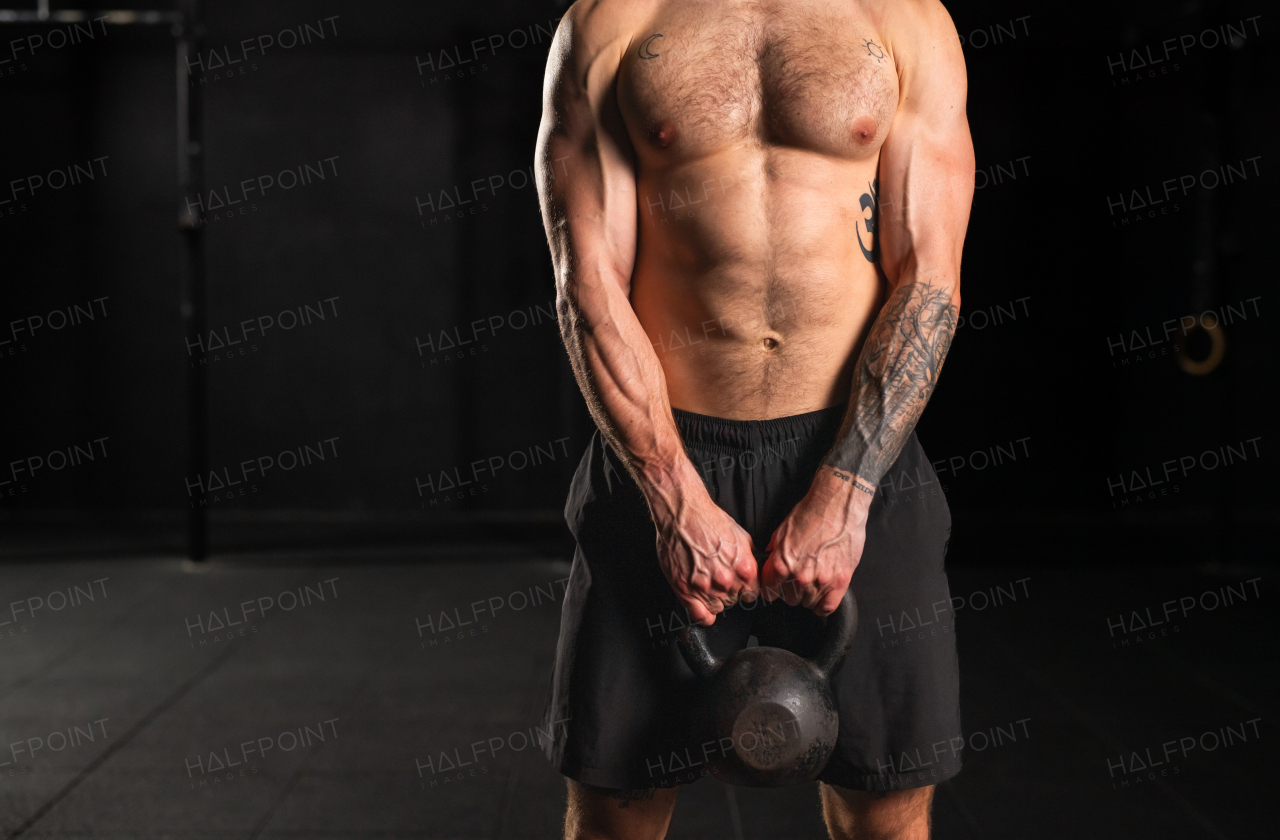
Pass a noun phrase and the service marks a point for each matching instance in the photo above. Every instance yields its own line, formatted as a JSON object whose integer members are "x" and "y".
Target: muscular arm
{"x": 896, "y": 372}
{"x": 586, "y": 184}
{"x": 926, "y": 188}
{"x": 587, "y": 189}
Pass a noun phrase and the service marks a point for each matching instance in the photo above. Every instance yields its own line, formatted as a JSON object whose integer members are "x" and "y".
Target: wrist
{"x": 670, "y": 485}
{"x": 844, "y": 490}
{"x": 855, "y": 482}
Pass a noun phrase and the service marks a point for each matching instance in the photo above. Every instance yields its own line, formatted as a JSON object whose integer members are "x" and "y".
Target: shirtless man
{"x": 756, "y": 210}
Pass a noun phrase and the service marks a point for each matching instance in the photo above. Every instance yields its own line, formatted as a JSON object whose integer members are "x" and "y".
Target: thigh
{"x": 594, "y": 812}
{"x": 897, "y": 814}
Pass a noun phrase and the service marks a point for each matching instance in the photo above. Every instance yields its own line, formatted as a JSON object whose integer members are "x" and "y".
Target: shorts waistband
{"x": 705, "y": 431}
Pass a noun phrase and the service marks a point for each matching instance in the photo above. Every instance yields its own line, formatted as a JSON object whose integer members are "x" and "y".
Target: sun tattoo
{"x": 874, "y": 50}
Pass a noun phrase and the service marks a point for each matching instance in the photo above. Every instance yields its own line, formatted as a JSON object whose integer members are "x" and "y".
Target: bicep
{"x": 927, "y": 168}
{"x": 586, "y": 180}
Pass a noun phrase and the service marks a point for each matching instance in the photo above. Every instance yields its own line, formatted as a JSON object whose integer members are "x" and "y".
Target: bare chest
{"x": 711, "y": 75}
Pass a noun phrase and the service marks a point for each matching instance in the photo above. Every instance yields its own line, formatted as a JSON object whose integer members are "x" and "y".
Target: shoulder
{"x": 595, "y": 30}
{"x": 920, "y": 30}
{"x": 912, "y": 20}
{"x": 926, "y": 48}
{"x": 586, "y": 53}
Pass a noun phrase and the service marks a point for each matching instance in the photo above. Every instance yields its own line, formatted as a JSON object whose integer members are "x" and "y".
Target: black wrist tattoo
{"x": 894, "y": 378}
{"x": 858, "y": 483}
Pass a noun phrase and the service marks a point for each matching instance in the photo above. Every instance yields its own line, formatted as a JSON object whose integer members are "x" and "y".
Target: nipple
{"x": 662, "y": 134}
{"x": 864, "y": 130}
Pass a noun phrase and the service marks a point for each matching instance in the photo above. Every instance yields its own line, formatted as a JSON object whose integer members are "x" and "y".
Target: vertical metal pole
{"x": 191, "y": 264}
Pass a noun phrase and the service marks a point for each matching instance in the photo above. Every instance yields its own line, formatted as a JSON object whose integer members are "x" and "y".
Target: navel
{"x": 864, "y": 130}
{"x": 770, "y": 343}
{"x": 662, "y": 134}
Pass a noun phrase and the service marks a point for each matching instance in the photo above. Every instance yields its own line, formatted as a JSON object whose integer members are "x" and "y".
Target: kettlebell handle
{"x": 841, "y": 627}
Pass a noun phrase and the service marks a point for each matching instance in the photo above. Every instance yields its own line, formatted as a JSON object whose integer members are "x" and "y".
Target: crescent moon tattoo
{"x": 644, "y": 51}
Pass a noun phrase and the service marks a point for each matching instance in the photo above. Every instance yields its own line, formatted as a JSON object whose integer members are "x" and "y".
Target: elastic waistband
{"x": 704, "y": 431}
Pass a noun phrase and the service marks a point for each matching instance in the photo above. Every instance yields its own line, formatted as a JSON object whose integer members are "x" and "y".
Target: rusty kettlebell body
{"x": 772, "y": 714}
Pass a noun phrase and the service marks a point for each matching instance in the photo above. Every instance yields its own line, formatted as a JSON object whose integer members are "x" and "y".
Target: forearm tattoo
{"x": 895, "y": 375}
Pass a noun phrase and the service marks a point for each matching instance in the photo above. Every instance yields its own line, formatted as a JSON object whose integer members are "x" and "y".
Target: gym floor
{"x": 334, "y": 708}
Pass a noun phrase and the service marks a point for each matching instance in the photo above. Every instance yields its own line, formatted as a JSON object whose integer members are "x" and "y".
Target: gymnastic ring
{"x": 1217, "y": 349}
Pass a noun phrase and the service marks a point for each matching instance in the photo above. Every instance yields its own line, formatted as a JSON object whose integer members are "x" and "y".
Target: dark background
{"x": 1062, "y": 571}
{"x": 1054, "y": 106}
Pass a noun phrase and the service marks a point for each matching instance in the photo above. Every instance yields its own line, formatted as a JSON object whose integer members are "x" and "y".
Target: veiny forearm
{"x": 586, "y": 185}
{"x": 622, "y": 381}
{"x": 895, "y": 375}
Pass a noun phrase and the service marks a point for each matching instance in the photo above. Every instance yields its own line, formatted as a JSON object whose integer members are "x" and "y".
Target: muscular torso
{"x": 757, "y": 128}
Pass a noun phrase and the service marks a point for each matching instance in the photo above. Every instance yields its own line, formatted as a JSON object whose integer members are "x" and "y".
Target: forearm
{"x": 625, "y": 389}
{"x": 895, "y": 375}
{"x": 586, "y": 184}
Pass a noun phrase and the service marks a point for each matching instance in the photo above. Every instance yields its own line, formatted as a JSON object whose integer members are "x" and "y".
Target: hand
{"x": 814, "y": 551}
{"x": 706, "y": 557}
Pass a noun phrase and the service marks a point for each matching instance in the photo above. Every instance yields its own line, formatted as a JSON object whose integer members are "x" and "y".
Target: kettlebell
{"x": 772, "y": 714}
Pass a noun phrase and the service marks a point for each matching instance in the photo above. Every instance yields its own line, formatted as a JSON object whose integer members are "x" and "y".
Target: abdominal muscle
{"x": 750, "y": 281}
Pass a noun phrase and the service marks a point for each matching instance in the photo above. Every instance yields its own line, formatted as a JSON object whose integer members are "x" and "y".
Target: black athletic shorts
{"x": 619, "y": 711}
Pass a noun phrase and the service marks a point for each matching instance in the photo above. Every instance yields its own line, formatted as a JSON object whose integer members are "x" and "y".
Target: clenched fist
{"x": 813, "y": 553}
{"x": 706, "y": 557}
